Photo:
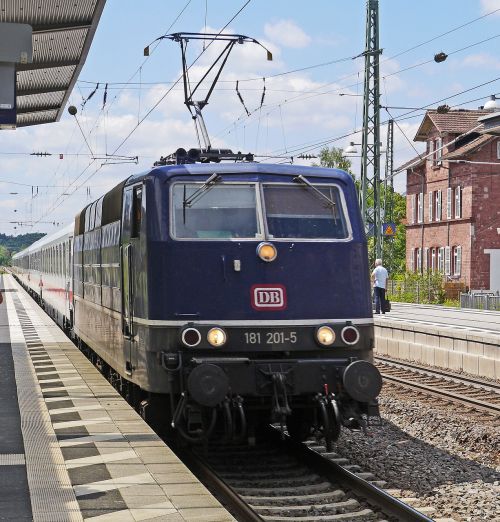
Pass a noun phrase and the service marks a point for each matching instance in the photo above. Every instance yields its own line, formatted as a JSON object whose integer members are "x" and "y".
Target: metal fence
{"x": 412, "y": 291}
{"x": 480, "y": 301}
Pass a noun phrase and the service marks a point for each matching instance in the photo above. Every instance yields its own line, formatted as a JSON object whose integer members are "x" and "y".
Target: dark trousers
{"x": 379, "y": 299}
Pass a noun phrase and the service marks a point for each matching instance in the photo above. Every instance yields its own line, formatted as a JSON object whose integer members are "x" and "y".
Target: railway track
{"x": 280, "y": 481}
{"x": 478, "y": 394}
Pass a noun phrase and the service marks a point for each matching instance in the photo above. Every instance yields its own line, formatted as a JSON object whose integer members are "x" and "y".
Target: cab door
{"x": 131, "y": 254}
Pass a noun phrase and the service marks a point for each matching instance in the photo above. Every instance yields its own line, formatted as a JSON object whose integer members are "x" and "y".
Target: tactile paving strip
{"x": 119, "y": 469}
{"x": 52, "y": 495}
{"x": 12, "y": 459}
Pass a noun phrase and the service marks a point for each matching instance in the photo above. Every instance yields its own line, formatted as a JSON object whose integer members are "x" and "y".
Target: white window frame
{"x": 457, "y": 260}
{"x": 420, "y": 214}
{"x": 412, "y": 260}
{"x": 433, "y": 259}
{"x": 431, "y": 205}
{"x": 418, "y": 252}
{"x": 439, "y": 151}
{"x": 439, "y": 204}
{"x": 447, "y": 260}
{"x": 426, "y": 259}
{"x": 440, "y": 256}
{"x": 449, "y": 197}
{"x": 498, "y": 149}
{"x": 432, "y": 152}
{"x": 458, "y": 202}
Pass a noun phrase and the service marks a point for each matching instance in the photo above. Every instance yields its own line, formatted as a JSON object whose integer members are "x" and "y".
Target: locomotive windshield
{"x": 254, "y": 211}
{"x": 302, "y": 212}
{"x": 219, "y": 212}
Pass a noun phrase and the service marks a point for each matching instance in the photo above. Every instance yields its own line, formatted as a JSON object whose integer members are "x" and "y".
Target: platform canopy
{"x": 62, "y": 34}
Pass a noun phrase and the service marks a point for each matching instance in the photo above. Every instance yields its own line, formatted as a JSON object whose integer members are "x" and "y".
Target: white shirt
{"x": 381, "y": 275}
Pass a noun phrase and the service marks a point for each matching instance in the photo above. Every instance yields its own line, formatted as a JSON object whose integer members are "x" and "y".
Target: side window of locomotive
{"x": 299, "y": 212}
{"x": 217, "y": 212}
{"x": 136, "y": 212}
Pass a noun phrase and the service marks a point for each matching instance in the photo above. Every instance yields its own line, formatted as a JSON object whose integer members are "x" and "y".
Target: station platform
{"x": 71, "y": 448}
{"x": 461, "y": 340}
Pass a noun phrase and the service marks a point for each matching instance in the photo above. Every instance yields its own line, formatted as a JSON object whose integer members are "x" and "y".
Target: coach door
{"x": 132, "y": 217}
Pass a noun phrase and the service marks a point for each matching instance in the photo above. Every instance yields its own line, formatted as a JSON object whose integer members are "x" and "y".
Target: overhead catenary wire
{"x": 245, "y": 4}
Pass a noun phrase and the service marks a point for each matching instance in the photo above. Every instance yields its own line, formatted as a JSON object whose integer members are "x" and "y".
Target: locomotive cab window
{"x": 136, "y": 212}
{"x": 304, "y": 212}
{"x": 215, "y": 211}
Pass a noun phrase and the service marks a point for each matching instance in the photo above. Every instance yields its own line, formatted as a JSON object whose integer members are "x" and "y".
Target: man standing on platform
{"x": 379, "y": 278}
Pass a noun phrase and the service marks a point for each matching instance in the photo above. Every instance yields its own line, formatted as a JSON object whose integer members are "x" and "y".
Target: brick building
{"x": 453, "y": 199}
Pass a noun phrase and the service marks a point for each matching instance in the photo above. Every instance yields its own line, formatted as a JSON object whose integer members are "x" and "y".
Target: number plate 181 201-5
{"x": 270, "y": 338}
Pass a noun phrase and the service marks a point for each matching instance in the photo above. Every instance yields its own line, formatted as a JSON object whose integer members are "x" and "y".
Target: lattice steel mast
{"x": 370, "y": 162}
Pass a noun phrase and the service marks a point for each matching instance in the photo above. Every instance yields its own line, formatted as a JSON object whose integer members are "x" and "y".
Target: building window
{"x": 413, "y": 209}
{"x": 418, "y": 252}
{"x": 447, "y": 260}
{"x": 420, "y": 207}
{"x": 458, "y": 202}
{"x": 433, "y": 260}
{"x": 449, "y": 197}
{"x": 441, "y": 259}
{"x": 426, "y": 259}
{"x": 431, "y": 150}
{"x": 457, "y": 260}
{"x": 431, "y": 205}
{"x": 439, "y": 200}
{"x": 498, "y": 149}
{"x": 439, "y": 152}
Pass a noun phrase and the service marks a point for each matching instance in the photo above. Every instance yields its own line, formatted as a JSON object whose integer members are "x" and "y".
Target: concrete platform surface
{"x": 71, "y": 449}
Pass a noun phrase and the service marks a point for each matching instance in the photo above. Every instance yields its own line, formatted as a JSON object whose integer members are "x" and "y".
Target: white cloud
{"x": 481, "y": 60}
{"x": 487, "y": 6}
{"x": 287, "y": 33}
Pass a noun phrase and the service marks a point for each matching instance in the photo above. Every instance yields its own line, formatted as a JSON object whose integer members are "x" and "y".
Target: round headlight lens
{"x": 325, "y": 336}
{"x": 191, "y": 337}
{"x": 216, "y": 337}
{"x": 267, "y": 252}
{"x": 350, "y": 335}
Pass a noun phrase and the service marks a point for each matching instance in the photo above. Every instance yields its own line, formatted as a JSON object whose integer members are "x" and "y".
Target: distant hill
{"x": 9, "y": 245}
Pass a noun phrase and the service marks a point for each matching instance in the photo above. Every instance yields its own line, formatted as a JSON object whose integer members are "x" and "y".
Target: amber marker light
{"x": 267, "y": 252}
{"x": 216, "y": 337}
{"x": 325, "y": 335}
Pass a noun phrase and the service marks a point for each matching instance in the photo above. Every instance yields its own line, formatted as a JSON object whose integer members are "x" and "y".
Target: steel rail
{"x": 431, "y": 372}
{"x": 434, "y": 390}
{"x": 374, "y": 495}
{"x": 230, "y": 499}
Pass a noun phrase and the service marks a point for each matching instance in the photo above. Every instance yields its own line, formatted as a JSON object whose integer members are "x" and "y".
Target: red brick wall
{"x": 480, "y": 186}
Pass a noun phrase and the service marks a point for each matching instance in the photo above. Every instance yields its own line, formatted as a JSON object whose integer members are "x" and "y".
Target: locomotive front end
{"x": 272, "y": 302}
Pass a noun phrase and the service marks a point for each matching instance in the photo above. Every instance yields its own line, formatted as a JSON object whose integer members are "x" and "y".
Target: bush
{"x": 412, "y": 287}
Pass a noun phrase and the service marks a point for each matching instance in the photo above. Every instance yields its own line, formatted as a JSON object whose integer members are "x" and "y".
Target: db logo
{"x": 268, "y": 297}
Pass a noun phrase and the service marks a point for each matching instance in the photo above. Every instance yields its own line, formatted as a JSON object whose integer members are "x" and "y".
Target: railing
{"x": 412, "y": 292}
{"x": 480, "y": 301}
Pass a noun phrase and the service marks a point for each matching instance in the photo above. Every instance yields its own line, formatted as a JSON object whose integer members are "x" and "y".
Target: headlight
{"x": 325, "y": 335}
{"x": 350, "y": 335}
{"x": 267, "y": 252}
{"x": 191, "y": 337}
{"x": 216, "y": 337}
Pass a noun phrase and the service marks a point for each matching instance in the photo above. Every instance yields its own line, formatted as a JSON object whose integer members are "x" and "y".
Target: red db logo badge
{"x": 268, "y": 297}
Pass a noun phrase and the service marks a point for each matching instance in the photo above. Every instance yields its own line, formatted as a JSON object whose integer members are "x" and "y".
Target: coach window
{"x": 136, "y": 212}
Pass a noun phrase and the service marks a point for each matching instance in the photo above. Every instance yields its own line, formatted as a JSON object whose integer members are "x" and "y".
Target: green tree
{"x": 334, "y": 159}
{"x": 4, "y": 256}
{"x": 394, "y": 249}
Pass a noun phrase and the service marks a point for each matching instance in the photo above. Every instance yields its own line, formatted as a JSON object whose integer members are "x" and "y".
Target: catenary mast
{"x": 370, "y": 161}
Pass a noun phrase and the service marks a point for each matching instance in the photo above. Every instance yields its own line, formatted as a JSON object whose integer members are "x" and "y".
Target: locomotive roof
{"x": 197, "y": 169}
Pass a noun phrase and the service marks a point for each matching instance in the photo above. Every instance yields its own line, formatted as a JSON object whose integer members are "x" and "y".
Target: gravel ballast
{"x": 435, "y": 452}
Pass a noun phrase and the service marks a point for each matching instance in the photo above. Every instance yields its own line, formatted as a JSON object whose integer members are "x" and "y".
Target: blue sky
{"x": 300, "y": 109}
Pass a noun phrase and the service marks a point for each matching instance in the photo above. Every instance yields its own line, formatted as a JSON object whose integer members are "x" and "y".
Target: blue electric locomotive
{"x": 228, "y": 295}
